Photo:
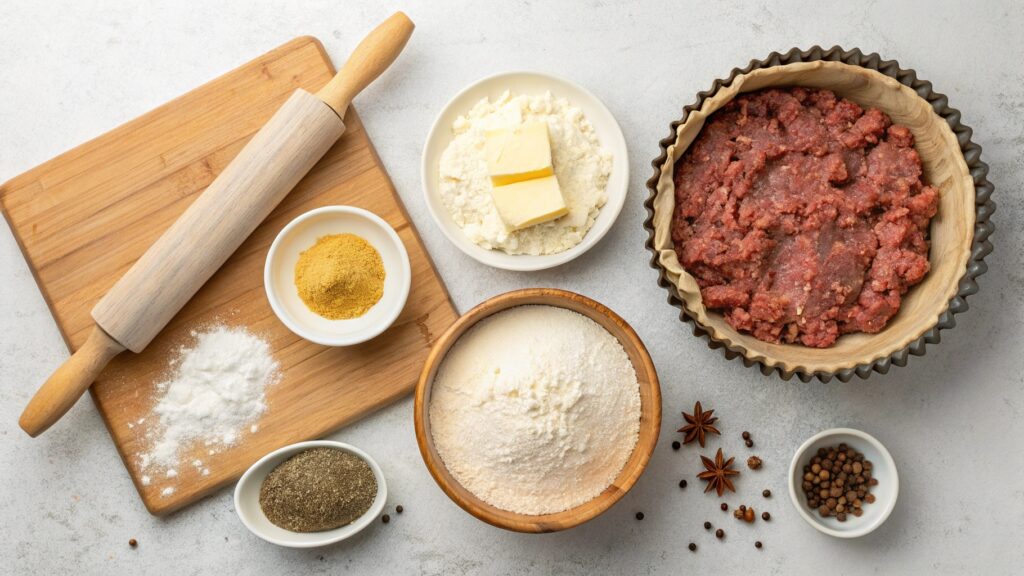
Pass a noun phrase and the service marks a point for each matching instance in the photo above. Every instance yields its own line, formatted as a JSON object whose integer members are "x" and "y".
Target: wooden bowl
{"x": 959, "y": 232}
{"x": 650, "y": 411}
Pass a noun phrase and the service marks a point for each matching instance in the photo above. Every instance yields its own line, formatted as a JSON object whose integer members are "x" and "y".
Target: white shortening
{"x": 580, "y": 164}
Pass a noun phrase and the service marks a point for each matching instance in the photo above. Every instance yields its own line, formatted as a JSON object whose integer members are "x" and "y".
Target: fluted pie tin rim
{"x": 975, "y": 174}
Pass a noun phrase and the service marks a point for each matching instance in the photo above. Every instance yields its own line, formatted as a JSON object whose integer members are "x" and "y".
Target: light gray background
{"x": 71, "y": 69}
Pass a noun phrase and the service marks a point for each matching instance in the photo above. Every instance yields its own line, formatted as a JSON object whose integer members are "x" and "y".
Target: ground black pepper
{"x": 318, "y": 489}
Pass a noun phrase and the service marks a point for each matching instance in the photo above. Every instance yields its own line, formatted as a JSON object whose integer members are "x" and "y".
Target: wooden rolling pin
{"x": 174, "y": 268}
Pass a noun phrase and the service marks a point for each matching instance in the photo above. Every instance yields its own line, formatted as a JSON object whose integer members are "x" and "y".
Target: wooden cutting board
{"x": 84, "y": 217}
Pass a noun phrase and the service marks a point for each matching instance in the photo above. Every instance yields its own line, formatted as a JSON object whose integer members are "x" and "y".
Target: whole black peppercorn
{"x": 766, "y": 516}
{"x": 676, "y": 445}
{"x": 385, "y": 518}
{"x": 399, "y": 509}
{"x": 682, "y": 483}
{"x": 707, "y": 525}
{"x": 746, "y": 435}
{"x": 692, "y": 547}
{"x": 749, "y": 443}
{"x": 724, "y": 506}
{"x": 719, "y": 533}
{"x": 758, "y": 544}
{"x": 766, "y": 493}
{"x": 639, "y": 515}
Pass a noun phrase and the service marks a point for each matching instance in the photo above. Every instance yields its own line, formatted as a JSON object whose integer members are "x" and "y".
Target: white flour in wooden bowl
{"x": 536, "y": 409}
{"x": 580, "y": 164}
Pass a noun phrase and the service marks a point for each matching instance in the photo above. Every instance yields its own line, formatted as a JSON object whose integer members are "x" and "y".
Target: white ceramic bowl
{"x": 247, "y": 499}
{"x": 608, "y": 132}
{"x": 302, "y": 233}
{"x": 884, "y": 469}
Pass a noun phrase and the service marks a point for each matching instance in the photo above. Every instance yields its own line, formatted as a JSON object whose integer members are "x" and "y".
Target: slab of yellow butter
{"x": 520, "y": 154}
{"x": 529, "y": 202}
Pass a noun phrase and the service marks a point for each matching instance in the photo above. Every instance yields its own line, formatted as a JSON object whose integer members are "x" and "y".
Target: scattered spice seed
{"x": 724, "y": 506}
{"x": 639, "y": 515}
{"x": 748, "y": 515}
{"x": 766, "y": 493}
{"x": 746, "y": 435}
{"x": 385, "y": 518}
{"x": 719, "y": 533}
{"x": 133, "y": 542}
{"x": 749, "y": 443}
{"x": 682, "y": 483}
{"x": 399, "y": 509}
{"x": 692, "y": 547}
{"x": 707, "y": 525}
{"x": 758, "y": 544}
{"x": 676, "y": 445}
{"x": 754, "y": 462}
{"x": 766, "y": 516}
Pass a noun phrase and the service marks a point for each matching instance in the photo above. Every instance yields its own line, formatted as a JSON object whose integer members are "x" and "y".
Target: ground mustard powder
{"x": 340, "y": 277}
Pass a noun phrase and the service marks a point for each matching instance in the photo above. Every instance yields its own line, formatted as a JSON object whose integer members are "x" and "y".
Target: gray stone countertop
{"x": 953, "y": 420}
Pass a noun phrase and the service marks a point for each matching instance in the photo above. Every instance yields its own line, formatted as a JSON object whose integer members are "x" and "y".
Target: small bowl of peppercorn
{"x": 843, "y": 482}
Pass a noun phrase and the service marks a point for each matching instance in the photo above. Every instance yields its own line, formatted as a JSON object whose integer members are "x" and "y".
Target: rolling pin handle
{"x": 67, "y": 384}
{"x": 368, "y": 61}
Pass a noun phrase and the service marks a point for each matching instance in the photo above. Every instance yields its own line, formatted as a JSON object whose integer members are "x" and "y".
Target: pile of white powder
{"x": 214, "y": 394}
{"x": 579, "y": 162}
{"x": 536, "y": 409}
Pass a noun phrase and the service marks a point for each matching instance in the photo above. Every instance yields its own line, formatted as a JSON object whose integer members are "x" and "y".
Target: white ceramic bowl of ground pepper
{"x": 337, "y": 275}
{"x": 297, "y": 495}
{"x": 843, "y": 482}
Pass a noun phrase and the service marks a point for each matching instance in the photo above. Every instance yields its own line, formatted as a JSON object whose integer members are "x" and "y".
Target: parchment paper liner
{"x": 953, "y": 235}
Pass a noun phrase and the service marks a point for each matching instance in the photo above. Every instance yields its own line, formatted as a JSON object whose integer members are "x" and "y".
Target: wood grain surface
{"x": 650, "y": 411}
{"x": 84, "y": 217}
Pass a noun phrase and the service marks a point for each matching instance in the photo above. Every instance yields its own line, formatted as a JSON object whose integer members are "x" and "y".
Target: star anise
{"x": 698, "y": 425}
{"x": 717, "y": 473}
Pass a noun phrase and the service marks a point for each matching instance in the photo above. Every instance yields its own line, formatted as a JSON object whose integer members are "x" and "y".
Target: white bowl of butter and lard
{"x": 525, "y": 171}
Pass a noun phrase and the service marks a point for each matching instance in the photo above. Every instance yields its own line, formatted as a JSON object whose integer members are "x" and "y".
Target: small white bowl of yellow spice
{"x": 337, "y": 275}
{"x": 311, "y": 494}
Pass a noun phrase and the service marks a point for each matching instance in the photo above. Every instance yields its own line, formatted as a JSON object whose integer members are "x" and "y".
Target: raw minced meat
{"x": 802, "y": 216}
